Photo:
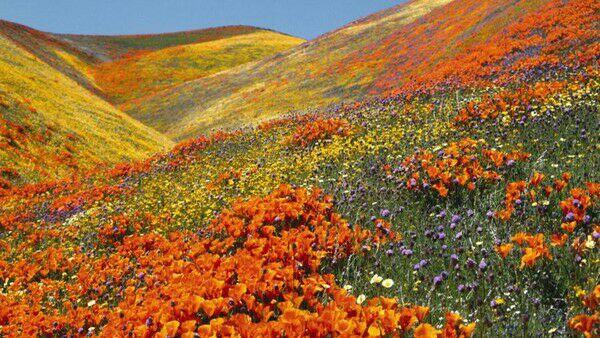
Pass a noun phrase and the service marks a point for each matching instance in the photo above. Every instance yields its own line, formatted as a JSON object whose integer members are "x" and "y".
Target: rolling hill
{"x": 458, "y": 197}
{"x": 144, "y": 73}
{"x": 131, "y": 66}
{"x": 52, "y": 122}
{"x": 51, "y": 131}
{"x": 382, "y": 54}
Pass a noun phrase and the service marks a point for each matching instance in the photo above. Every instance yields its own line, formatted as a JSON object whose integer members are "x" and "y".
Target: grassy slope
{"x": 268, "y": 87}
{"x": 150, "y": 71}
{"x": 46, "y": 137}
{"x": 147, "y": 234}
{"x": 366, "y": 57}
{"x": 65, "y": 58}
{"x": 52, "y": 125}
{"x": 107, "y": 48}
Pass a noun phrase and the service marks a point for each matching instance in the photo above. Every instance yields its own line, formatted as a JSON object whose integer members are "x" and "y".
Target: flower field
{"x": 461, "y": 204}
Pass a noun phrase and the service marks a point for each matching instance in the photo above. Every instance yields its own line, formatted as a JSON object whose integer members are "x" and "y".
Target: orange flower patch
{"x": 461, "y": 164}
{"x": 253, "y": 272}
{"x": 536, "y": 248}
{"x": 320, "y": 129}
{"x": 513, "y": 102}
{"x": 586, "y": 324}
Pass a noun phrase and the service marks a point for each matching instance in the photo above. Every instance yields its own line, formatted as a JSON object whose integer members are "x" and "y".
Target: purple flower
{"x": 470, "y": 213}
{"x": 489, "y": 214}
{"x": 570, "y": 216}
{"x": 454, "y": 258}
{"x": 407, "y": 252}
{"x": 437, "y": 280}
{"x": 482, "y": 264}
{"x": 471, "y": 263}
{"x": 458, "y": 235}
{"x": 385, "y": 213}
{"x": 461, "y": 288}
{"x": 442, "y": 214}
{"x": 455, "y": 218}
{"x": 441, "y": 235}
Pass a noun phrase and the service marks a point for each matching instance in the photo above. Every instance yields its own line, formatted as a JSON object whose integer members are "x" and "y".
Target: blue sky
{"x": 304, "y": 18}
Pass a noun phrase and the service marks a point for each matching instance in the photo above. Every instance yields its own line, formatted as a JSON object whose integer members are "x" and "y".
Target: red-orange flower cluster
{"x": 584, "y": 323}
{"x": 320, "y": 129}
{"x": 462, "y": 163}
{"x": 253, "y": 272}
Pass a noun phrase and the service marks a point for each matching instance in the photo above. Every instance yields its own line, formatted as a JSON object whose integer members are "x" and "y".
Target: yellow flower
{"x": 360, "y": 299}
{"x": 388, "y": 283}
{"x": 590, "y": 243}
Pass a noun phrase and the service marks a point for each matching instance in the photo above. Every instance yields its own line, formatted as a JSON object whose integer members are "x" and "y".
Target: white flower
{"x": 360, "y": 299}
{"x": 388, "y": 283}
{"x": 376, "y": 279}
{"x": 347, "y": 287}
{"x": 91, "y": 303}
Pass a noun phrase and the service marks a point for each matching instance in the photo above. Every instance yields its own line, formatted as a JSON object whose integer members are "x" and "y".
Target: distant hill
{"x": 131, "y": 66}
{"x": 391, "y": 52}
{"x": 113, "y": 47}
{"x": 51, "y": 122}
{"x": 146, "y": 72}
{"x": 56, "y": 91}
{"x": 299, "y": 78}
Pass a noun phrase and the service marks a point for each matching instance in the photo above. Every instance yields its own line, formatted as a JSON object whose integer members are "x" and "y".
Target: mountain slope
{"x": 380, "y": 54}
{"x": 52, "y": 126}
{"x": 274, "y": 85}
{"x": 146, "y": 72}
{"x": 114, "y": 47}
{"x": 60, "y": 55}
{"x": 132, "y": 66}
{"x": 467, "y": 205}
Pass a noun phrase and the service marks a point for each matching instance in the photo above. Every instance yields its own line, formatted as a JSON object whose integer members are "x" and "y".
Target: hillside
{"x": 53, "y": 131}
{"x": 378, "y": 55}
{"x": 114, "y": 47}
{"x": 51, "y": 125}
{"x": 458, "y": 197}
{"x": 147, "y": 72}
{"x": 63, "y": 57}
{"x": 132, "y": 66}
{"x": 275, "y": 85}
